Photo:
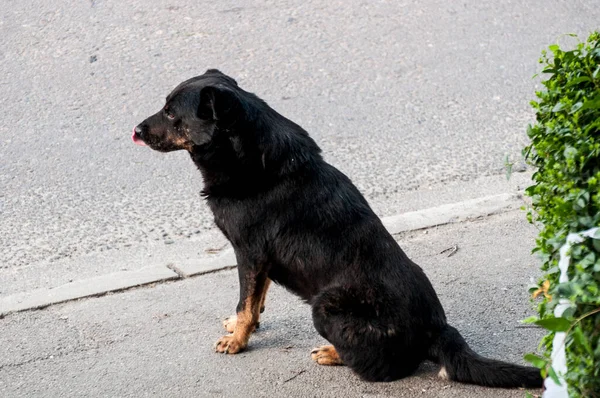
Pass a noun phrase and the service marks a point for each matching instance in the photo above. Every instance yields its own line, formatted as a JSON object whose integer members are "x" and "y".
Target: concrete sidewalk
{"x": 187, "y": 263}
{"x": 158, "y": 340}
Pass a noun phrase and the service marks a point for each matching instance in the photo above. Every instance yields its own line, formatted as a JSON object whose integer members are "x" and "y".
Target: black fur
{"x": 298, "y": 220}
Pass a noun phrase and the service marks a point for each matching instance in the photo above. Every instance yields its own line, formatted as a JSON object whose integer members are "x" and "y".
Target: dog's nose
{"x": 137, "y": 135}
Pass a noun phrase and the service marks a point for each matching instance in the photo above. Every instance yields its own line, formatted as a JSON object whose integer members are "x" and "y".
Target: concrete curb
{"x": 452, "y": 213}
{"x": 445, "y": 214}
{"x": 84, "y": 288}
{"x": 199, "y": 267}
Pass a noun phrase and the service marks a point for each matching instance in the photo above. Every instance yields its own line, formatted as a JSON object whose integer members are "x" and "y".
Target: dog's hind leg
{"x": 365, "y": 336}
{"x": 326, "y": 355}
{"x": 230, "y": 322}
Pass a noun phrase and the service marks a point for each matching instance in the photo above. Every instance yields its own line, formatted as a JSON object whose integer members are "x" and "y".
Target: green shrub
{"x": 565, "y": 149}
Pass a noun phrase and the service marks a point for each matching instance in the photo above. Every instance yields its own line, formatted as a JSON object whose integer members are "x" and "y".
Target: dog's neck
{"x": 254, "y": 153}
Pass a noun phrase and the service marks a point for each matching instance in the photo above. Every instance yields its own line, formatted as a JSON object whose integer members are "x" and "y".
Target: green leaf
{"x": 592, "y": 126}
{"x": 576, "y": 107}
{"x": 581, "y": 340}
{"x": 531, "y": 319}
{"x": 565, "y": 289}
{"x": 578, "y": 80}
{"x": 592, "y": 103}
{"x": 570, "y": 152}
{"x": 553, "y": 375}
{"x": 536, "y": 360}
{"x": 588, "y": 260}
{"x": 559, "y": 107}
{"x": 554, "y": 324}
{"x": 553, "y": 270}
{"x": 569, "y": 312}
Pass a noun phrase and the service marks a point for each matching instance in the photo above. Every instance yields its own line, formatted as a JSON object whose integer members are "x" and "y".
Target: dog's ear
{"x": 221, "y": 75}
{"x": 217, "y": 103}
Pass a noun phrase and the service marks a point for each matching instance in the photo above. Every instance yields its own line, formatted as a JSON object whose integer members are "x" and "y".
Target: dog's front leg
{"x": 230, "y": 322}
{"x": 253, "y": 284}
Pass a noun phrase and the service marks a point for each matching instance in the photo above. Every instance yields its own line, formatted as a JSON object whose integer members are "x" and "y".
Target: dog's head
{"x": 193, "y": 112}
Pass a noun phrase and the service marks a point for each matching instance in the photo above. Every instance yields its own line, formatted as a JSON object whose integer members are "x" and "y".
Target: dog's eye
{"x": 170, "y": 116}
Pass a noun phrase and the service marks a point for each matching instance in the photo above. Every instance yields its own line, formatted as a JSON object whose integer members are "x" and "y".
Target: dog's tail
{"x": 460, "y": 363}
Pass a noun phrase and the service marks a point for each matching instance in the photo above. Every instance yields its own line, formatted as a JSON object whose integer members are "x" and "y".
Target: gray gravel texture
{"x": 403, "y": 96}
{"x": 158, "y": 341}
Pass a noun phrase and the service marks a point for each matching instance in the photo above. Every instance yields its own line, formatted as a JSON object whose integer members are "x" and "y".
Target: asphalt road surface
{"x": 403, "y": 96}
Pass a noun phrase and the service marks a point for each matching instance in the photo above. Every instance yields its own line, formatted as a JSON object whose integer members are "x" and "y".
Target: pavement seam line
{"x": 117, "y": 282}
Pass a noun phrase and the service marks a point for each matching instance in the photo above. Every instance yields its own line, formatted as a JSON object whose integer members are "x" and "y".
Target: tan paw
{"x": 326, "y": 355}
{"x": 229, "y": 323}
{"x": 229, "y": 345}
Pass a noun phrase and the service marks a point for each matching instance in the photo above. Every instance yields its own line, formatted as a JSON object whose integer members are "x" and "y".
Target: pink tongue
{"x": 136, "y": 140}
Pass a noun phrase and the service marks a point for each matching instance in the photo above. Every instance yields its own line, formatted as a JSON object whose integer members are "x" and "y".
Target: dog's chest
{"x": 242, "y": 221}
{"x": 227, "y": 216}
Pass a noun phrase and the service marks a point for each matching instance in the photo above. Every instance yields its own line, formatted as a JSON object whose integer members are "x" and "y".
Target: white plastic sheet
{"x": 559, "y": 359}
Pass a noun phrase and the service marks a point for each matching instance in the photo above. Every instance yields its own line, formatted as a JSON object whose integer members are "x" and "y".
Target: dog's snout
{"x": 139, "y": 130}
{"x": 138, "y": 134}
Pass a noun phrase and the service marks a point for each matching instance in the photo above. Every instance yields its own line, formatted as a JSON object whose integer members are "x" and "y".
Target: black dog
{"x": 298, "y": 221}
